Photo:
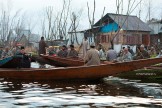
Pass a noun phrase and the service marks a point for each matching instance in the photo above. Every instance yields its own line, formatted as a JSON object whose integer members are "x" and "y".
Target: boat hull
{"x": 41, "y": 60}
{"x": 58, "y": 61}
{"x": 13, "y": 62}
{"x": 5, "y": 60}
{"x": 80, "y": 72}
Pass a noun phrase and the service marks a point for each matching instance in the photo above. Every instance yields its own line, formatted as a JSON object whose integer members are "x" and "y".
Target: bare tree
{"x": 7, "y": 23}
{"x": 161, "y": 14}
{"x": 43, "y": 27}
{"x": 49, "y": 12}
{"x": 57, "y": 25}
{"x": 74, "y": 25}
{"x": 63, "y": 19}
{"x": 91, "y": 20}
{"x": 149, "y": 10}
{"x": 132, "y": 5}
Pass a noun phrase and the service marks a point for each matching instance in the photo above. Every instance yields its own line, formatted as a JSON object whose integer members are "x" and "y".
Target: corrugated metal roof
{"x": 127, "y": 22}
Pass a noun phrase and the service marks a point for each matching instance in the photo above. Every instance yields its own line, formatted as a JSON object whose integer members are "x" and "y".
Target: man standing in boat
{"x": 72, "y": 52}
{"x": 85, "y": 46}
{"x": 42, "y": 46}
{"x": 92, "y": 56}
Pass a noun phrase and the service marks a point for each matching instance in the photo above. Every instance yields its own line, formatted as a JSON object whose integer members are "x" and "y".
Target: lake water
{"x": 110, "y": 92}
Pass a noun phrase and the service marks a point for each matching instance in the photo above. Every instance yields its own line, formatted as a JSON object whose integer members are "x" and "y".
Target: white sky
{"x": 34, "y": 7}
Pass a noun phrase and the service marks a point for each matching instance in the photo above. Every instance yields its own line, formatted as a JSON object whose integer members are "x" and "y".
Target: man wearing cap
{"x": 72, "y": 52}
{"x": 92, "y": 56}
{"x": 142, "y": 53}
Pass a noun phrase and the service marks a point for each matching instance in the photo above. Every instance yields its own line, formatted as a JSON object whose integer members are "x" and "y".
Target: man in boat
{"x": 111, "y": 55}
{"x": 152, "y": 52}
{"x": 127, "y": 56}
{"x": 85, "y": 46}
{"x": 92, "y": 56}
{"x": 63, "y": 52}
{"x": 100, "y": 46}
{"x": 121, "y": 52}
{"x": 1, "y": 50}
{"x": 24, "y": 58}
{"x": 42, "y": 46}
{"x": 6, "y": 53}
{"x": 101, "y": 50}
{"x": 51, "y": 51}
{"x": 72, "y": 52}
{"x": 142, "y": 53}
{"x": 130, "y": 50}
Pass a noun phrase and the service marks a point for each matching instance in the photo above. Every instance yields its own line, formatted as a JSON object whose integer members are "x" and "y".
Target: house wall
{"x": 106, "y": 38}
{"x": 131, "y": 38}
{"x": 156, "y": 34}
{"x": 154, "y": 39}
{"x": 136, "y": 38}
{"x": 111, "y": 27}
{"x": 156, "y": 26}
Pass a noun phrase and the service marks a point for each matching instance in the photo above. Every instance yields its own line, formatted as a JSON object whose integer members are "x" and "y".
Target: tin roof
{"x": 126, "y": 22}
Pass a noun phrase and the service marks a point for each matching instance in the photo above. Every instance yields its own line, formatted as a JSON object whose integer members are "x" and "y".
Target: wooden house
{"x": 156, "y": 33}
{"x": 121, "y": 29}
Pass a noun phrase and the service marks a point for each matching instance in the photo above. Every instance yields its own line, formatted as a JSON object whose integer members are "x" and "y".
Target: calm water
{"x": 110, "y": 92}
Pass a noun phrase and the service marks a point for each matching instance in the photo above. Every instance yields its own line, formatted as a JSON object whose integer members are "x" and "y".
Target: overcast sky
{"x": 33, "y": 7}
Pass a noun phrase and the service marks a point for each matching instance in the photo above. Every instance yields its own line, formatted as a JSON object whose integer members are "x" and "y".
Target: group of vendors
{"x": 92, "y": 55}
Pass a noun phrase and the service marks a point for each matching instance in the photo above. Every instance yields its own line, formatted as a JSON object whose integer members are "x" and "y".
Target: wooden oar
{"x": 140, "y": 52}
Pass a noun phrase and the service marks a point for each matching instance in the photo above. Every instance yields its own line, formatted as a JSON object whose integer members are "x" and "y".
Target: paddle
{"x": 140, "y": 52}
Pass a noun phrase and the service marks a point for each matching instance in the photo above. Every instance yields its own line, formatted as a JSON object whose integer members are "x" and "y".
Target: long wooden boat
{"x": 59, "y": 61}
{"x": 41, "y": 60}
{"x": 80, "y": 72}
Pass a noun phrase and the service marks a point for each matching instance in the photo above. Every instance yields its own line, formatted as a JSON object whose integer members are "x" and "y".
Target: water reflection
{"x": 112, "y": 92}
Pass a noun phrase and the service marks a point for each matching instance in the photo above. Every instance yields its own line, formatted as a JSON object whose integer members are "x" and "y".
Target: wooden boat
{"x": 58, "y": 61}
{"x": 41, "y": 60}
{"x": 10, "y": 62}
{"x": 80, "y": 72}
{"x": 5, "y": 60}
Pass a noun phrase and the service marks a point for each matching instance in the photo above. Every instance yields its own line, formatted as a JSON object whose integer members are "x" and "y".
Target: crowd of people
{"x": 91, "y": 54}
{"x": 127, "y": 54}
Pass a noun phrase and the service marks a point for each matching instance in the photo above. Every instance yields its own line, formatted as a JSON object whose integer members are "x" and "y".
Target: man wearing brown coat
{"x": 42, "y": 46}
